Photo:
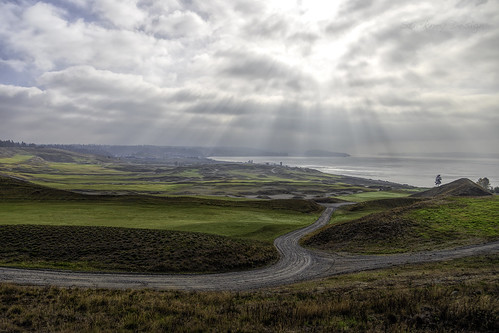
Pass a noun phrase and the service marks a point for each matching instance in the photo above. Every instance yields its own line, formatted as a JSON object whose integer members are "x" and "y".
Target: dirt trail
{"x": 296, "y": 264}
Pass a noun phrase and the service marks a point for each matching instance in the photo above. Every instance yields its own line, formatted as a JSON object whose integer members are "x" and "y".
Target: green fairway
{"x": 239, "y": 222}
{"x": 374, "y": 195}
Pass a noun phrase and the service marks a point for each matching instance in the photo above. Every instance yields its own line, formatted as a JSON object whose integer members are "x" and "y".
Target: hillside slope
{"x": 443, "y": 222}
{"x": 18, "y": 189}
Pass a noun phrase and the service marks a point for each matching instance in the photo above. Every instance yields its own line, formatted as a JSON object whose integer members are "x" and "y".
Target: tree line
{"x": 10, "y": 143}
{"x": 485, "y": 183}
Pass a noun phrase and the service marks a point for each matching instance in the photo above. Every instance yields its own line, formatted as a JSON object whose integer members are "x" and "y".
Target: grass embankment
{"x": 361, "y": 209}
{"x": 377, "y": 227}
{"x": 459, "y": 295}
{"x": 130, "y": 250}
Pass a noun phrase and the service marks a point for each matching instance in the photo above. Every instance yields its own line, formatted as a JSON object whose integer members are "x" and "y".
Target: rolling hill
{"x": 459, "y": 188}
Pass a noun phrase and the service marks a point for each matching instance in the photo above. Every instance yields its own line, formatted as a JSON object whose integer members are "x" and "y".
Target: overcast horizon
{"x": 346, "y": 76}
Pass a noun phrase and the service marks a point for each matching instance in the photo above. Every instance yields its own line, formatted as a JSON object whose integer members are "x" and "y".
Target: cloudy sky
{"x": 354, "y": 76}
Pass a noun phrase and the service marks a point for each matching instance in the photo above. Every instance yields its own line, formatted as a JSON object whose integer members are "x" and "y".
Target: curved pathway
{"x": 296, "y": 264}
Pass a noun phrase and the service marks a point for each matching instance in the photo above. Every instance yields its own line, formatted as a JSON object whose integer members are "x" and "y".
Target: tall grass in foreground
{"x": 460, "y": 296}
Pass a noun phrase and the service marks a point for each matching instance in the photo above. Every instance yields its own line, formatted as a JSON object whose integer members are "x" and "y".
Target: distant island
{"x": 324, "y": 153}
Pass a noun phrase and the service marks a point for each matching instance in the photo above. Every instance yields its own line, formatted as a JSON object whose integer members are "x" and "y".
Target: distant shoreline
{"x": 412, "y": 170}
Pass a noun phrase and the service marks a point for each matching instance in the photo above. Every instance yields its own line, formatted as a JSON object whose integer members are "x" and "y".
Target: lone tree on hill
{"x": 484, "y": 182}
{"x": 438, "y": 180}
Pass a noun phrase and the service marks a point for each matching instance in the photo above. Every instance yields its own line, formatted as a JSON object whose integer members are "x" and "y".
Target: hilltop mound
{"x": 44, "y": 154}
{"x": 459, "y": 188}
{"x": 18, "y": 189}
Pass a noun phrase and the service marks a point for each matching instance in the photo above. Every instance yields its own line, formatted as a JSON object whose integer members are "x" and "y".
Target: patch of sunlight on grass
{"x": 374, "y": 195}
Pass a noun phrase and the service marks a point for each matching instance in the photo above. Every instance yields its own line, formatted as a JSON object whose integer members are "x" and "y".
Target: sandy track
{"x": 296, "y": 264}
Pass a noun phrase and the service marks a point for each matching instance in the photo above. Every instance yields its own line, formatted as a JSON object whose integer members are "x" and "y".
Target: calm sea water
{"x": 417, "y": 171}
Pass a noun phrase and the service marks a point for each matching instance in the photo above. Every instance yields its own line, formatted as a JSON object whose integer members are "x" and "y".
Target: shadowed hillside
{"x": 459, "y": 188}
{"x": 128, "y": 249}
{"x": 358, "y": 235}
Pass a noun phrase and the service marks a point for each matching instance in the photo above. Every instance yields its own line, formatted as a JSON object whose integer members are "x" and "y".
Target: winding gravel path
{"x": 296, "y": 264}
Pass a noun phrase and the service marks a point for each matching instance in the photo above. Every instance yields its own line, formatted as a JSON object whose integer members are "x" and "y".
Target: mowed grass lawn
{"x": 239, "y": 222}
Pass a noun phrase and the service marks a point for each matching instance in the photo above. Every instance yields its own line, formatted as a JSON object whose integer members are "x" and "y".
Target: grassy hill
{"x": 459, "y": 188}
{"x": 28, "y": 203}
{"x": 410, "y": 224}
{"x": 46, "y": 227}
{"x": 19, "y": 189}
{"x": 39, "y": 155}
{"x": 125, "y": 249}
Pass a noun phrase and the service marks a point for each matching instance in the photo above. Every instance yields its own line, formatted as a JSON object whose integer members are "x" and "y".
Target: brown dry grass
{"x": 455, "y": 296}
{"x": 125, "y": 249}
